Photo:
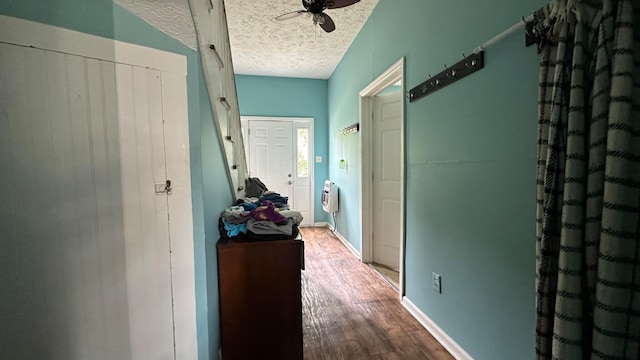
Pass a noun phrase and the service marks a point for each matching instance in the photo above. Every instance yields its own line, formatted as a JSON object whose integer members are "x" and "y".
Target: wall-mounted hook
{"x": 448, "y": 76}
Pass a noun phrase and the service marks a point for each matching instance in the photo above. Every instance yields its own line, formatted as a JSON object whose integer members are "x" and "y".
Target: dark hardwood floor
{"x": 349, "y": 312}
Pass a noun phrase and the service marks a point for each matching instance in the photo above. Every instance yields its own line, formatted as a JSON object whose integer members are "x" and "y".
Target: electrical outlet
{"x": 436, "y": 283}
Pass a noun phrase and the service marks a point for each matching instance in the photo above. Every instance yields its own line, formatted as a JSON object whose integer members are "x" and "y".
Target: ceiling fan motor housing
{"x": 317, "y": 6}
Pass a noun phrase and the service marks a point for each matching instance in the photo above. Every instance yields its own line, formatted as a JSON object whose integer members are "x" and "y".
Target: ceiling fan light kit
{"x": 317, "y": 8}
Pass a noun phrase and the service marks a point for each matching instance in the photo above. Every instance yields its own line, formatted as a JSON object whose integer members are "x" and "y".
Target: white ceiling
{"x": 172, "y": 17}
{"x": 260, "y": 45}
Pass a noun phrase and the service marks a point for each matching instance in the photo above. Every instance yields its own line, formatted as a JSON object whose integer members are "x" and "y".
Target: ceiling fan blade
{"x": 290, "y": 15}
{"x": 328, "y": 25}
{"x": 341, "y": 3}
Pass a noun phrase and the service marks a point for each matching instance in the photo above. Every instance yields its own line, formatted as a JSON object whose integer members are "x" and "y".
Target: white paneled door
{"x": 279, "y": 153}
{"x": 271, "y": 155}
{"x": 387, "y": 179}
{"x": 87, "y": 244}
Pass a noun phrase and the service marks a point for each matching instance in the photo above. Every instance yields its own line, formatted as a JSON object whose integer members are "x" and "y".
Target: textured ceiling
{"x": 172, "y": 17}
{"x": 260, "y": 45}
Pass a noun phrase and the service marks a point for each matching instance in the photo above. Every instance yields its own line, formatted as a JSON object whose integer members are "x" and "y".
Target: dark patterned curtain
{"x": 588, "y": 181}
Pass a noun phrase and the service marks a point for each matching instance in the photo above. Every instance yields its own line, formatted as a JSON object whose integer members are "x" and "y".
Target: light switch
{"x": 318, "y": 159}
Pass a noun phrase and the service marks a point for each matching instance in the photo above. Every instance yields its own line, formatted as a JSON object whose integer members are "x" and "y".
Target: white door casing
{"x": 387, "y": 176}
{"x": 88, "y": 125}
{"x": 273, "y": 146}
{"x": 391, "y": 76}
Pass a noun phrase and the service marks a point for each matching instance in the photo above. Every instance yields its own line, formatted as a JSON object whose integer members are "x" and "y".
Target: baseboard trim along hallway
{"x": 447, "y": 342}
{"x": 346, "y": 243}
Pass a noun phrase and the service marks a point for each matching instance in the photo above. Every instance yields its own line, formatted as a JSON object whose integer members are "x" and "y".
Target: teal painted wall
{"x": 209, "y": 185}
{"x": 291, "y": 97}
{"x": 217, "y": 196}
{"x": 470, "y": 165}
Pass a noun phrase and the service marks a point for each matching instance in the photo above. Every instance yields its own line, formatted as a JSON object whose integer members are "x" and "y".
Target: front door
{"x": 271, "y": 155}
{"x": 387, "y": 178}
{"x": 279, "y": 153}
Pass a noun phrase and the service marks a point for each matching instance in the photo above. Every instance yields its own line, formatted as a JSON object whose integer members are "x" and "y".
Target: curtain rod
{"x": 519, "y": 25}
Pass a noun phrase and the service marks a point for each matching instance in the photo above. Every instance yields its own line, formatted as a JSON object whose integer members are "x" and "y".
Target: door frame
{"x": 388, "y": 78}
{"x": 244, "y": 120}
{"x": 175, "y": 114}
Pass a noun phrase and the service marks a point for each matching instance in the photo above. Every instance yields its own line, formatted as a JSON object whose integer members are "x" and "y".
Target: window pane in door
{"x": 303, "y": 152}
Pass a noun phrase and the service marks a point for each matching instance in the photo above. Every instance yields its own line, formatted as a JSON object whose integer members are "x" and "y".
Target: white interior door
{"x": 87, "y": 259}
{"x": 280, "y": 154}
{"x": 387, "y": 179}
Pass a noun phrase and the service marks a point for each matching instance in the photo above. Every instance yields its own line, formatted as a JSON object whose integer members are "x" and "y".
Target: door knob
{"x": 289, "y": 175}
{"x": 290, "y": 182}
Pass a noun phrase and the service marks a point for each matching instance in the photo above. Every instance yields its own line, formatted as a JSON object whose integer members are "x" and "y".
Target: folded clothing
{"x": 251, "y": 236}
{"x": 268, "y": 212}
{"x": 248, "y": 206}
{"x": 266, "y": 237}
{"x": 234, "y": 210}
{"x": 233, "y": 229}
{"x": 277, "y": 200}
{"x": 235, "y": 216}
{"x": 294, "y": 215}
{"x": 270, "y": 228}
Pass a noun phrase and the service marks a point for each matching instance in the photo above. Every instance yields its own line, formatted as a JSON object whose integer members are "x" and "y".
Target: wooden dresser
{"x": 260, "y": 299}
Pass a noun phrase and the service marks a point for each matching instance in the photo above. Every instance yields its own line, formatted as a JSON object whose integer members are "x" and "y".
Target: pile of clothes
{"x": 267, "y": 218}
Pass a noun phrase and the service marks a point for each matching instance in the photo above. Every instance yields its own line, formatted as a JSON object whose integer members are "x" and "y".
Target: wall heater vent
{"x": 330, "y": 197}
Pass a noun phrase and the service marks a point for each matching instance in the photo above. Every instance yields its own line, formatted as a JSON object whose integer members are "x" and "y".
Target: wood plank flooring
{"x": 350, "y": 312}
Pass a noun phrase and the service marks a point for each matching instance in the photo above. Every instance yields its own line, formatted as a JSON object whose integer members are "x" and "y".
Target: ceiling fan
{"x": 316, "y": 8}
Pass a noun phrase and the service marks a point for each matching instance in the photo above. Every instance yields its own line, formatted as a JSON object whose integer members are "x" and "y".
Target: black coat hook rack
{"x": 451, "y": 74}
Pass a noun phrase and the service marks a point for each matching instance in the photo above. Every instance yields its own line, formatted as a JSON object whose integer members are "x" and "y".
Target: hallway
{"x": 350, "y": 312}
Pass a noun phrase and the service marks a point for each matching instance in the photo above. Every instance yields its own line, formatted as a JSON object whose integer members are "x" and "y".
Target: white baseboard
{"x": 322, "y": 224}
{"x": 346, "y": 243}
{"x": 342, "y": 239}
{"x": 439, "y": 334}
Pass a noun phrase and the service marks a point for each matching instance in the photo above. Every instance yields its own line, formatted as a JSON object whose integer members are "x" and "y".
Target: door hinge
{"x": 163, "y": 188}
